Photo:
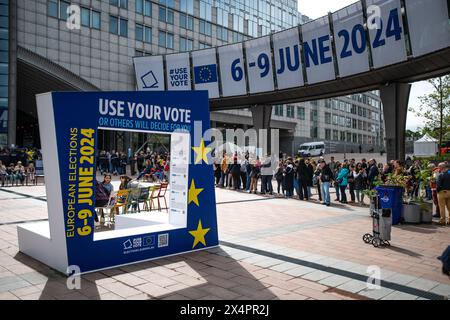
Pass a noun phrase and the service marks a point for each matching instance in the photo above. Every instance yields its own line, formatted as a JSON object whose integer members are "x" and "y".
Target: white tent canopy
{"x": 426, "y": 146}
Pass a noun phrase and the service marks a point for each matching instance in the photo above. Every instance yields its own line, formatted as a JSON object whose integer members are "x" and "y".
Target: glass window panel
{"x": 124, "y": 28}
{"x": 140, "y": 6}
{"x": 124, "y": 4}
{"x": 85, "y": 17}
{"x": 148, "y": 35}
{"x": 170, "y": 41}
{"x": 148, "y": 8}
{"x": 139, "y": 32}
{"x": 63, "y": 6}
{"x": 162, "y": 14}
{"x": 53, "y": 8}
{"x": 113, "y": 25}
{"x": 170, "y": 16}
{"x": 162, "y": 39}
{"x": 96, "y": 20}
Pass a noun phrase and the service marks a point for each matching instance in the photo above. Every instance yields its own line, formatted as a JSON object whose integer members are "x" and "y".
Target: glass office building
{"x": 4, "y": 70}
{"x": 54, "y": 54}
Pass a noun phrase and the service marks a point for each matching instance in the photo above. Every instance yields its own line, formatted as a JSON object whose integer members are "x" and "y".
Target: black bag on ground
{"x": 445, "y": 258}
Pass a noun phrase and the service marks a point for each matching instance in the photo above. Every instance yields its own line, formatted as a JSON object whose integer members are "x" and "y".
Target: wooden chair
{"x": 162, "y": 195}
{"x": 152, "y": 195}
{"x": 121, "y": 201}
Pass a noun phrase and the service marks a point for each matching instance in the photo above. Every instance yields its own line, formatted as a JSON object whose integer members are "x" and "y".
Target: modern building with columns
{"x": 40, "y": 52}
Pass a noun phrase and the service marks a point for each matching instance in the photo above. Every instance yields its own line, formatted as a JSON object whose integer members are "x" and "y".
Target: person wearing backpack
{"x": 326, "y": 177}
{"x": 288, "y": 179}
{"x": 342, "y": 180}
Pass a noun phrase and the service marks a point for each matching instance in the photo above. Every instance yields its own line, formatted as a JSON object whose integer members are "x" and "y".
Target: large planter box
{"x": 426, "y": 212}
{"x": 411, "y": 213}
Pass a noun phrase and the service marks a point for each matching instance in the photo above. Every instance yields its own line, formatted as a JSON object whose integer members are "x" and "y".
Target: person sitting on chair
{"x": 101, "y": 198}
{"x": 147, "y": 169}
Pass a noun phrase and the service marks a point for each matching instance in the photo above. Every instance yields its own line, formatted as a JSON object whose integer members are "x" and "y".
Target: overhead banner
{"x": 178, "y": 71}
{"x": 204, "y": 65}
{"x": 149, "y": 73}
{"x": 317, "y": 50}
{"x": 363, "y": 36}
{"x": 350, "y": 39}
{"x": 429, "y": 25}
{"x": 259, "y": 65}
{"x": 232, "y": 70}
{"x": 386, "y": 32}
{"x": 288, "y": 64}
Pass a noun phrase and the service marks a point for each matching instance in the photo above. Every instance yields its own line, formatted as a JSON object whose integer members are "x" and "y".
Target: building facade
{"x": 92, "y": 48}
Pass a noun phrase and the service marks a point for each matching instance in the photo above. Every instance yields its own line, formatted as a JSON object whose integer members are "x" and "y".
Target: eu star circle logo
{"x": 205, "y": 74}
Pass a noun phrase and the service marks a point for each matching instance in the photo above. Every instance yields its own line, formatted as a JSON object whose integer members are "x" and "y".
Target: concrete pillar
{"x": 395, "y": 98}
{"x": 261, "y": 115}
{"x": 12, "y": 82}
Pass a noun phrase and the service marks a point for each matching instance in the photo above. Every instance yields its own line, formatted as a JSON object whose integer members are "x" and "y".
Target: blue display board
{"x": 69, "y": 127}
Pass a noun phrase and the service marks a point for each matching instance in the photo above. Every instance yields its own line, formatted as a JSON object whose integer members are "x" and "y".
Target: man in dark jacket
{"x": 302, "y": 174}
{"x": 326, "y": 176}
{"x": 443, "y": 191}
{"x": 373, "y": 173}
{"x": 235, "y": 171}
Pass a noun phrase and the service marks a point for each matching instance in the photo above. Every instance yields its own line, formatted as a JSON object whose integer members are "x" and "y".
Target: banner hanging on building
{"x": 346, "y": 43}
{"x": 232, "y": 70}
{"x": 288, "y": 64}
{"x": 317, "y": 50}
{"x": 149, "y": 73}
{"x": 431, "y": 31}
{"x": 386, "y": 33}
{"x": 259, "y": 65}
{"x": 350, "y": 38}
{"x": 178, "y": 71}
{"x": 204, "y": 65}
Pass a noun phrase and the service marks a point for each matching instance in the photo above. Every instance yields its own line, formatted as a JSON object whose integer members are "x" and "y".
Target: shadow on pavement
{"x": 195, "y": 275}
{"x": 420, "y": 228}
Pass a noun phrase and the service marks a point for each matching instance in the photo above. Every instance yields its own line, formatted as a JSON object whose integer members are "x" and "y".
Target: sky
{"x": 318, "y": 8}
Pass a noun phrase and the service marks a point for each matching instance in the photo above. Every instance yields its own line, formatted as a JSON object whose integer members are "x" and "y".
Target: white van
{"x": 312, "y": 149}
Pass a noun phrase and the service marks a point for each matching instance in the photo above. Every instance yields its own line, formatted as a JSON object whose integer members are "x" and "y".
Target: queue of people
{"x": 146, "y": 165}
{"x": 348, "y": 178}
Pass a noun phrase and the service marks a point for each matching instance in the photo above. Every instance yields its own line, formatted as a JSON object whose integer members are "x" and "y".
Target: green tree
{"x": 435, "y": 109}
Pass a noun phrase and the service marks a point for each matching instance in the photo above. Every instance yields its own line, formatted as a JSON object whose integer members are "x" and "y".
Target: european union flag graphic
{"x": 205, "y": 74}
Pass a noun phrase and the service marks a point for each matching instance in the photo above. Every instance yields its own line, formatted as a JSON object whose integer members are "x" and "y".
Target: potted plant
{"x": 417, "y": 210}
{"x": 426, "y": 206}
{"x": 372, "y": 195}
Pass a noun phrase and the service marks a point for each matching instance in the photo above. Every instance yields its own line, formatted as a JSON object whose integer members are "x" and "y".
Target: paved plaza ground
{"x": 270, "y": 248}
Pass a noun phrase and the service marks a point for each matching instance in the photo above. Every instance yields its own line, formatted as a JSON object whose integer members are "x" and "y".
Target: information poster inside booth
{"x": 70, "y": 123}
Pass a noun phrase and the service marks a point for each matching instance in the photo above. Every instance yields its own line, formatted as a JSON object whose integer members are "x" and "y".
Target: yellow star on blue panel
{"x": 201, "y": 152}
{"x": 193, "y": 193}
{"x": 199, "y": 234}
